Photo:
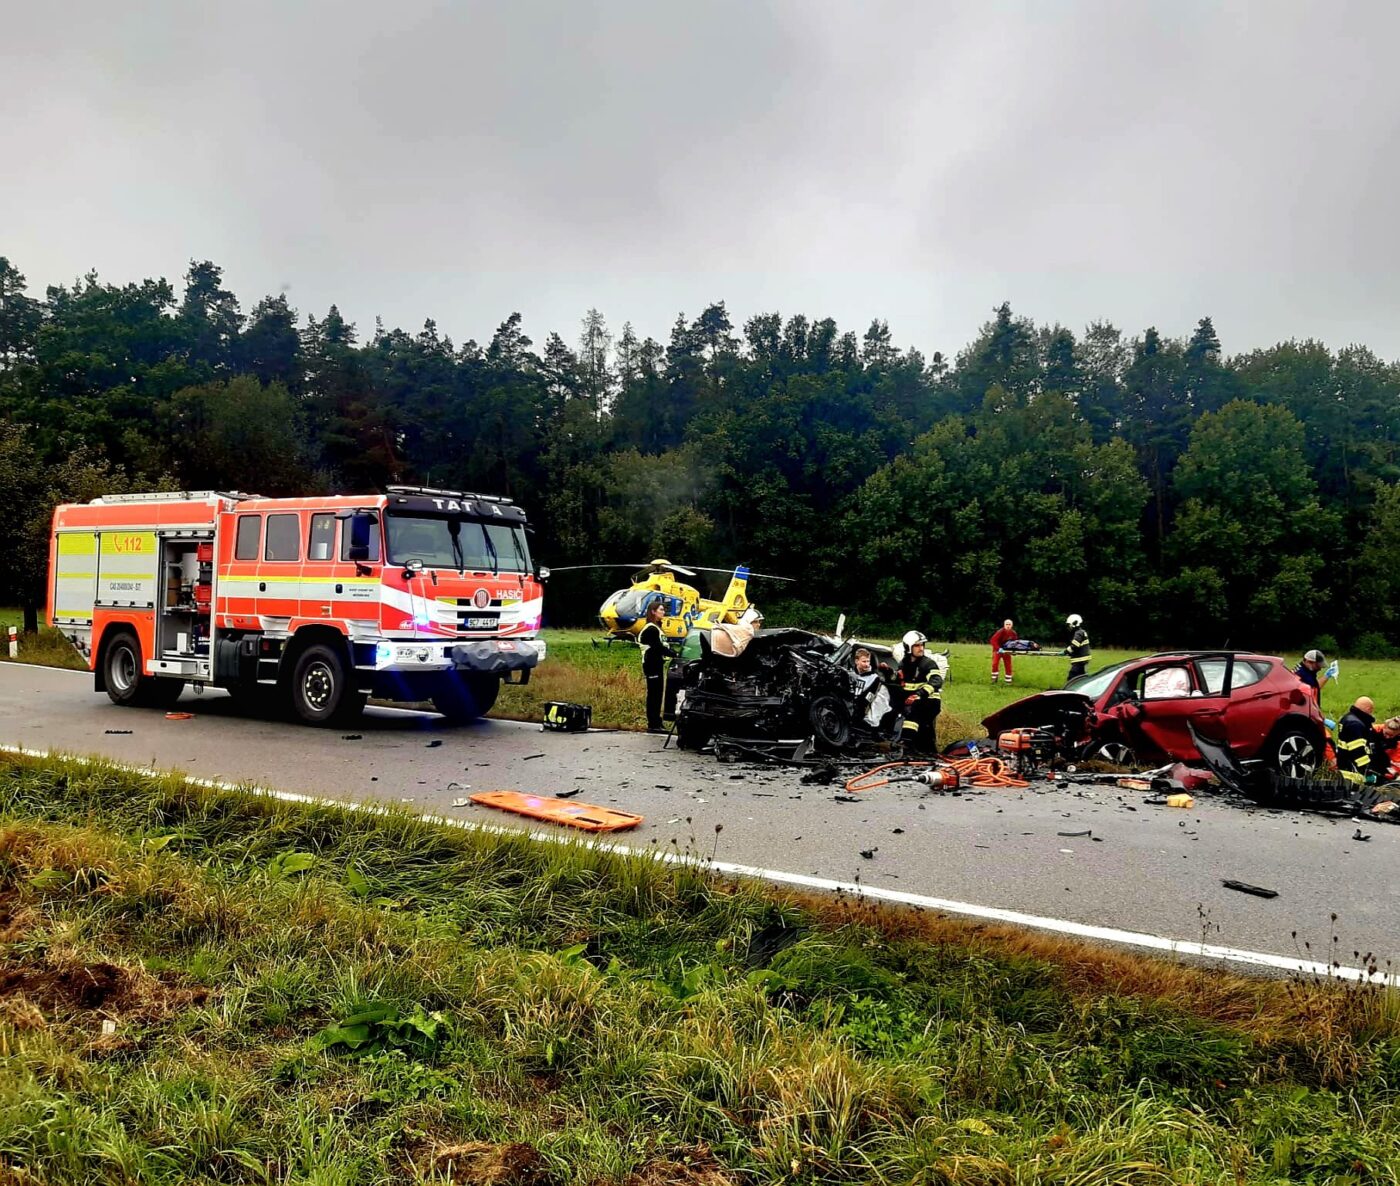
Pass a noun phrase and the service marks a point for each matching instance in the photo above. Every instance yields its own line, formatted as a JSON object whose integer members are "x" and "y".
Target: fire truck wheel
{"x": 321, "y": 691}
{"x": 162, "y": 693}
{"x": 465, "y": 697}
{"x": 121, "y": 670}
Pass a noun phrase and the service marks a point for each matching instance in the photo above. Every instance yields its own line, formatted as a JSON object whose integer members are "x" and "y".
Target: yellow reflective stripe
{"x": 1355, "y": 743}
{"x": 77, "y": 543}
{"x": 1352, "y": 776}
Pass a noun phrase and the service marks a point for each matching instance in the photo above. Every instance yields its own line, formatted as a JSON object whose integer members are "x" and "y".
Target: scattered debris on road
{"x": 1245, "y": 888}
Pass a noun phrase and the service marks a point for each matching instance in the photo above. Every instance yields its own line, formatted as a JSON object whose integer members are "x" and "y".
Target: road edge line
{"x": 1037, "y": 922}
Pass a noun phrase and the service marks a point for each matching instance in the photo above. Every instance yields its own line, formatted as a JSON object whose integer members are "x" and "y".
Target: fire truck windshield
{"x": 461, "y": 544}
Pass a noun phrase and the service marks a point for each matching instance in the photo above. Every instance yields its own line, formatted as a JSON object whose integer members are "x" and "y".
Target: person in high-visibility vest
{"x": 918, "y": 681}
{"x": 1079, "y": 651}
{"x": 654, "y": 655}
{"x": 1355, "y": 735}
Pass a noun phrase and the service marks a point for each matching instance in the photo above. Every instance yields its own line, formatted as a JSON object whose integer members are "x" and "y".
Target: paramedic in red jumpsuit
{"x": 1000, "y": 639}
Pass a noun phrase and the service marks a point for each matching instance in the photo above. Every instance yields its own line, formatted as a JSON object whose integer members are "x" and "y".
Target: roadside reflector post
{"x": 14, "y": 642}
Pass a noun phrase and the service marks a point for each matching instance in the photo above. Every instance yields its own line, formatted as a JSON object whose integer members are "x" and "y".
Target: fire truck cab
{"x": 321, "y": 602}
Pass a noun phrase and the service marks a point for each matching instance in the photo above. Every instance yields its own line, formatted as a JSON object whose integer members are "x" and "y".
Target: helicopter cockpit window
{"x": 630, "y": 604}
{"x": 442, "y": 541}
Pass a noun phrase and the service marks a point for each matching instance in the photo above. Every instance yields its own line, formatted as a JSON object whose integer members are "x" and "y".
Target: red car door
{"x": 1169, "y": 694}
{"x": 1254, "y": 704}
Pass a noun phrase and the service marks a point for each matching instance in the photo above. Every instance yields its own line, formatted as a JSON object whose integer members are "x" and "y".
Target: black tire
{"x": 1293, "y": 753}
{"x": 162, "y": 691}
{"x": 830, "y": 719}
{"x": 321, "y": 693}
{"x": 121, "y": 670}
{"x": 690, "y": 735}
{"x": 463, "y": 698}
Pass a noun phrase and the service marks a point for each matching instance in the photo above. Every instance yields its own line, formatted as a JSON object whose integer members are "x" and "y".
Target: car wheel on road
{"x": 1293, "y": 753}
{"x": 321, "y": 691}
{"x": 690, "y": 735}
{"x": 830, "y": 720}
{"x": 1115, "y": 753}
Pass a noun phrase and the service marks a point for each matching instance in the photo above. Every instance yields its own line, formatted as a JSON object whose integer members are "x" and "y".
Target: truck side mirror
{"x": 542, "y": 573}
{"x": 360, "y": 527}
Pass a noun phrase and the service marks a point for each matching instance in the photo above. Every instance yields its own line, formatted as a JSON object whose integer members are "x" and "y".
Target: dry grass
{"x": 48, "y": 648}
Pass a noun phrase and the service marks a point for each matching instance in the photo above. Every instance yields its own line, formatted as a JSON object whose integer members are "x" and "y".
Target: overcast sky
{"x": 1145, "y": 163}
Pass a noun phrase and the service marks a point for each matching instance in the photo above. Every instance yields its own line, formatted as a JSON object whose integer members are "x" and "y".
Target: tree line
{"x": 1170, "y": 494}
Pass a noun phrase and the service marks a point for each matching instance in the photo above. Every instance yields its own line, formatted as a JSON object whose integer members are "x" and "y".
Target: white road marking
{"x": 1059, "y": 926}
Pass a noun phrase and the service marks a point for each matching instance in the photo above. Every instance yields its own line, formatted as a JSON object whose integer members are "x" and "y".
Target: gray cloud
{"x": 1147, "y": 163}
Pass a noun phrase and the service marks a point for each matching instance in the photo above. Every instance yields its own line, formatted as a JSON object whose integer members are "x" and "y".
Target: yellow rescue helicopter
{"x": 685, "y": 610}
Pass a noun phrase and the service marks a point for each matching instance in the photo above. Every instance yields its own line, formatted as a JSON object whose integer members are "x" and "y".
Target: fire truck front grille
{"x": 467, "y": 619}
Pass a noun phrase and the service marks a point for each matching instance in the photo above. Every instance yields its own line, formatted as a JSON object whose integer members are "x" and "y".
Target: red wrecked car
{"x": 1136, "y": 712}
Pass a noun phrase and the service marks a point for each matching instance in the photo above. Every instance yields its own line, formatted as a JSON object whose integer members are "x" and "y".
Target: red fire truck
{"x": 414, "y": 594}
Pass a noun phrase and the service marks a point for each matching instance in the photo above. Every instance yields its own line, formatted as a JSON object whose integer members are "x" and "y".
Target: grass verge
{"x": 207, "y": 986}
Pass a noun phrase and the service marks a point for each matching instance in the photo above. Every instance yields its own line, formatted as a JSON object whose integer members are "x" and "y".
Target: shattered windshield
{"x": 450, "y": 541}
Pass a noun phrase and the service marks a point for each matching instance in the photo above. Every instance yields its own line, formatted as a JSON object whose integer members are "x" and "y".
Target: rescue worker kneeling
{"x": 1355, "y": 735}
{"x": 918, "y": 682}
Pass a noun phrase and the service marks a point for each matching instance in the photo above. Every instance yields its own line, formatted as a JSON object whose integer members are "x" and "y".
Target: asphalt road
{"x": 1148, "y": 869}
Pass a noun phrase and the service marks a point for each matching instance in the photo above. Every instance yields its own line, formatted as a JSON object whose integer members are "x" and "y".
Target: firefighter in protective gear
{"x": 919, "y": 683}
{"x": 1078, "y": 650}
{"x": 1355, "y": 734}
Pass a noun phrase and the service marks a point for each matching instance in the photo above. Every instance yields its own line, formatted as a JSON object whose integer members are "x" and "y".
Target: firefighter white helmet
{"x": 1074, "y": 621}
{"x": 912, "y": 637}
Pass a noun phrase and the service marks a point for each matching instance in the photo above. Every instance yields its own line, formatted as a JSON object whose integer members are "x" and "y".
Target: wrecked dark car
{"x": 787, "y": 684}
{"x": 1139, "y": 711}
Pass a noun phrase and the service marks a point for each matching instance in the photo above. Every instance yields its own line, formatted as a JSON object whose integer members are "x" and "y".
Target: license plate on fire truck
{"x": 480, "y": 623}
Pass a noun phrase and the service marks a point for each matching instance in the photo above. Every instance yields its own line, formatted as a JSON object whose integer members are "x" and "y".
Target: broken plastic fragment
{"x": 1245, "y": 888}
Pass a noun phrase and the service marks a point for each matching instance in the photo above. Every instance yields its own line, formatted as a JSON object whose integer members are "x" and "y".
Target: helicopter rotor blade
{"x": 768, "y": 576}
{"x": 581, "y": 567}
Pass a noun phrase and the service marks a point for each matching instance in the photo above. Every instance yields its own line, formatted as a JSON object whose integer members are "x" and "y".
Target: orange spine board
{"x": 557, "y": 811}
